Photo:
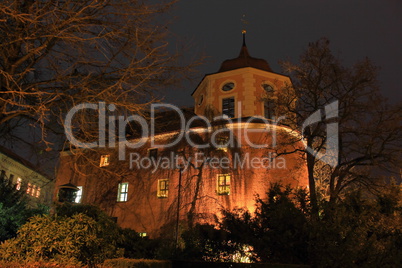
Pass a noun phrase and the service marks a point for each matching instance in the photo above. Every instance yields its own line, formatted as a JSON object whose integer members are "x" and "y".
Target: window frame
{"x": 163, "y": 192}
{"x": 78, "y": 195}
{"x": 270, "y": 100}
{"x": 223, "y": 189}
{"x": 104, "y": 160}
{"x": 228, "y": 86}
{"x": 122, "y": 192}
{"x": 229, "y": 108}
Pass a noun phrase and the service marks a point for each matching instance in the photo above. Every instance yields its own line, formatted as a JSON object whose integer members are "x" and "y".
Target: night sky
{"x": 281, "y": 29}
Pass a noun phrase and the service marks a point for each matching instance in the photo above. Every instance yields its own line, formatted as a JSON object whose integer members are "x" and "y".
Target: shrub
{"x": 14, "y": 209}
{"x": 73, "y": 240}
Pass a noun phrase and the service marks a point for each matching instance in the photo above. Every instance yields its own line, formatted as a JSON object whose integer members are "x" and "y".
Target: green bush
{"x": 279, "y": 229}
{"x": 136, "y": 263}
{"x": 127, "y": 240}
{"x": 14, "y": 209}
{"x": 73, "y": 240}
{"x": 36, "y": 264}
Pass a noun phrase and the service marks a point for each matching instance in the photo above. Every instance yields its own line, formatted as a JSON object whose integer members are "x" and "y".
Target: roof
{"x": 244, "y": 60}
{"x": 21, "y": 160}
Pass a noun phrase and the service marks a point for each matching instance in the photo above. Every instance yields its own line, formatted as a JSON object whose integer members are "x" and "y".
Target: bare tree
{"x": 369, "y": 132}
{"x": 60, "y": 53}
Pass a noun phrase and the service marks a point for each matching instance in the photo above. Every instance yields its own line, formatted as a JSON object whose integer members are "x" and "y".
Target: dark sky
{"x": 281, "y": 29}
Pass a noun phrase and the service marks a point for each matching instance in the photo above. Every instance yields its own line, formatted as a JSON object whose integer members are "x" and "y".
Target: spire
{"x": 244, "y": 37}
{"x": 244, "y": 51}
{"x": 243, "y": 31}
{"x": 244, "y": 60}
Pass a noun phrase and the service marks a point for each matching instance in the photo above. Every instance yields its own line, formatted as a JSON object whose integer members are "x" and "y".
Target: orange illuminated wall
{"x": 144, "y": 211}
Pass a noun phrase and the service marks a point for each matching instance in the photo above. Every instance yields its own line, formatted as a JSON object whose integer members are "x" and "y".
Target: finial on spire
{"x": 244, "y": 37}
{"x": 243, "y": 31}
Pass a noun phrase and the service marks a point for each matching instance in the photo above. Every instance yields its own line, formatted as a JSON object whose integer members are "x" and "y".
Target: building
{"x": 38, "y": 187}
{"x": 222, "y": 156}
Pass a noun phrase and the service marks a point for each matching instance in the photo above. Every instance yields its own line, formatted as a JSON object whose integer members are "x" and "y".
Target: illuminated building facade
{"x": 216, "y": 163}
{"x": 26, "y": 177}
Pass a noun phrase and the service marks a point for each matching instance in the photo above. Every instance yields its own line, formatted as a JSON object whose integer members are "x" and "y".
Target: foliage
{"x": 204, "y": 242}
{"x": 277, "y": 232}
{"x": 108, "y": 230}
{"x": 14, "y": 209}
{"x": 79, "y": 234}
{"x": 56, "y": 54}
{"x": 126, "y": 241}
{"x": 134, "y": 263}
{"x": 358, "y": 232}
{"x": 73, "y": 240}
{"x": 368, "y": 134}
{"x": 136, "y": 247}
{"x": 35, "y": 264}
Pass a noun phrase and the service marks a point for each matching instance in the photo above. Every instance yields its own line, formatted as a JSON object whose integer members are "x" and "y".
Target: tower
{"x": 243, "y": 87}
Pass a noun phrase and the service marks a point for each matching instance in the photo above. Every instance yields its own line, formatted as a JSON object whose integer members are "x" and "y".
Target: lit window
{"x": 19, "y": 183}
{"x": 29, "y": 188}
{"x": 153, "y": 153}
{"x": 123, "y": 192}
{"x": 163, "y": 188}
{"x": 78, "y": 195}
{"x": 223, "y": 184}
{"x": 228, "y": 107}
{"x": 104, "y": 160}
{"x": 37, "y": 191}
{"x": 33, "y": 190}
{"x": 142, "y": 234}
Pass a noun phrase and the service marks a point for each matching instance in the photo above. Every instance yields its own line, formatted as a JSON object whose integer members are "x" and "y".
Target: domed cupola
{"x": 244, "y": 60}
